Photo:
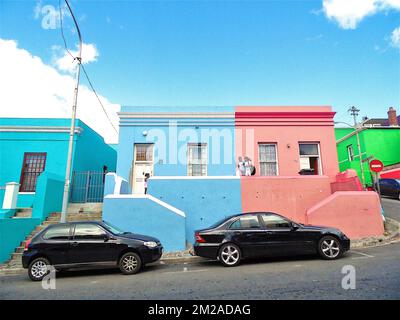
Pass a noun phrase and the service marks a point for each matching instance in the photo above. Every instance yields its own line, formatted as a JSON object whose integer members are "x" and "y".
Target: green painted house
{"x": 379, "y": 142}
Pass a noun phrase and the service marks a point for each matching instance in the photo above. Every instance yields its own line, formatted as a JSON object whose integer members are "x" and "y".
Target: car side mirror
{"x": 294, "y": 226}
{"x": 106, "y": 237}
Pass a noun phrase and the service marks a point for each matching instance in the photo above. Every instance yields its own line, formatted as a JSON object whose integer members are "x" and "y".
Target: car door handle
{"x": 74, "y": 244}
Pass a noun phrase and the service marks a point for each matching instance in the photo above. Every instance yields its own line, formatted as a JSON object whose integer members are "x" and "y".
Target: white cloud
{"x": 349, "y": 13}
{"x": 30, "y": 88}
{"x": 64, "y": 62}
{"x": 395, "y": 38}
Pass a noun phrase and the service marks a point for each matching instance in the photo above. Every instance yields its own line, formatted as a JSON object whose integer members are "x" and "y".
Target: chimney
{"x": 392, "y": 117}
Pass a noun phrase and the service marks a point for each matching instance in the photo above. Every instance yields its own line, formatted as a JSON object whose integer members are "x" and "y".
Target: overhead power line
{"x": 95, "y": 93}
{"x": 83, "y": 68}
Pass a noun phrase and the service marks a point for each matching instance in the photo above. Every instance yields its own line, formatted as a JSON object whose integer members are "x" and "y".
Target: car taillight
{"x": 199, "y": 238}
{"x": 27, "y": 243}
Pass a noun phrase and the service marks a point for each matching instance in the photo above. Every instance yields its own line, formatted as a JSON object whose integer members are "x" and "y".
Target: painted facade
{"x": 193, "y": 159}
{"x": 381, "y": 143}
{"x": 49, "y": 137}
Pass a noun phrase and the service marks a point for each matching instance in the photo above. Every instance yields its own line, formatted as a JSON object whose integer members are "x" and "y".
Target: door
{"x": 246, "y": 231}
{"x": 57, "y": 244}
{"x": 281, "y": 239}
{"x": 91, "y": 244}
{"x": 142, "y": 165}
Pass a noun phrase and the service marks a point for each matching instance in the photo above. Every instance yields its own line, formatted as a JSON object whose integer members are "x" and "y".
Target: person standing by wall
{"x": 146, "y": 177}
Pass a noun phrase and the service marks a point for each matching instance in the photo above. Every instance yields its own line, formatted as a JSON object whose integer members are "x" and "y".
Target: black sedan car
{"x": 263, "y": 234}
{"x": 88, "y": 244}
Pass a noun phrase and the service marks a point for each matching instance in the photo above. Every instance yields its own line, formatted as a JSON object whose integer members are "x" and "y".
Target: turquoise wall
{"x": 90, "y": 151}
{"x": 49, "y": 195}
{"x": 12, "y": 233}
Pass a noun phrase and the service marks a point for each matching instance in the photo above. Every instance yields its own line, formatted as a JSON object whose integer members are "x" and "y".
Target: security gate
{"x": 87, "y": 186}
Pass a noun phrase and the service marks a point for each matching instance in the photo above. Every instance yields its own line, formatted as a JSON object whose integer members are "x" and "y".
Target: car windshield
{"x": 113, "y": 229}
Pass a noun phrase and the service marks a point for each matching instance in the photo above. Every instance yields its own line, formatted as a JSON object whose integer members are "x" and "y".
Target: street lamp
{"x": 357, "y": 130}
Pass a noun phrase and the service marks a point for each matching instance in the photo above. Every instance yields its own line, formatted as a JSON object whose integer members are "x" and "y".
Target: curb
{"x": 392, "y": 228}
{"x": 12, "y": 271}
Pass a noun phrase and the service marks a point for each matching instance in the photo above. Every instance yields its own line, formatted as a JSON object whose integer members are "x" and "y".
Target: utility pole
{"x": 354, "y": 112}
{"x": 72, "y": 128}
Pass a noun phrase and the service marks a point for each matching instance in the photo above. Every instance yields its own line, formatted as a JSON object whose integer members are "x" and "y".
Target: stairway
{"x": 76, "y": 212}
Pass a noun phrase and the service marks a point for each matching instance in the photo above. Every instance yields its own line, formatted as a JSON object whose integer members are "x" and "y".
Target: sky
{"x": 199, "y": 53}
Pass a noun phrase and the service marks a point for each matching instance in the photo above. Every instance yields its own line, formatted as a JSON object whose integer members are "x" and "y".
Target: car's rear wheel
{"x": 329, "y": 248}
{"x": 130, "y": 263}
{"x": 230, "y": 255}
{"x": 38, "y": 269}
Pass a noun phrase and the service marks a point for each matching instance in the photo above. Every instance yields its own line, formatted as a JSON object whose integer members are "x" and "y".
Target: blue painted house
{"x": 189, "y": 156}
{"x": 33, "y": 154}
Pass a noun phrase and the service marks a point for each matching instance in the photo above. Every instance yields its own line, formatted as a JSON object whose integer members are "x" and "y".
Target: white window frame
{"x": 321, "y": 172}
{"x": 350, "y": 154}
{"x": 276, "y": 158}
{"x": 205, "y": 163}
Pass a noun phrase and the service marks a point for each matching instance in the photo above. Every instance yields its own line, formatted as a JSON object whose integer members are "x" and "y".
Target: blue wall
{"x": 90, "y": 151}
{"x": 12, "y": 233}
{"x": 144, "y": 216}
{"x": 204, "y": 201}
{"x": 131, "y": 132}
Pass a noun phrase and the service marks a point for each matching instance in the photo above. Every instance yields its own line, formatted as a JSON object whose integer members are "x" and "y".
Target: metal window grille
{"x": 268, "y": 161}
{"x": 197, "y": 159}
{"x": 32, "y": 166}
{"x": 144, "y": 152}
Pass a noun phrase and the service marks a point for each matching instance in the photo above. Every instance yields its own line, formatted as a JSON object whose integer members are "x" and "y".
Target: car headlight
{"x": 150, "y": 244}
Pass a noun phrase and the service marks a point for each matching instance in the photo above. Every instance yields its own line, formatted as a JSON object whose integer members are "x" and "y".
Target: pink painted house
{"x": 294, "y": 152}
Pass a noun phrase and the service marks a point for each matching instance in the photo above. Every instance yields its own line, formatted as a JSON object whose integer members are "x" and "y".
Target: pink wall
{"x": 356, "y": 213}
{"x": 286, "y": 126}
{"x": 289, "y": 196}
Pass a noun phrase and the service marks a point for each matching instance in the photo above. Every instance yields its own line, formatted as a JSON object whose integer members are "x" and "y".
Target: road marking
{"x": 187, "y": 271}
{"x": 364, "y": 255}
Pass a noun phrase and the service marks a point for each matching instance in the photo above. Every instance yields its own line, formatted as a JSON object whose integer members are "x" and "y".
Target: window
{"x": 268, "y": 159}
{"x": 197, "y": 159}
{"x": 272, "y": 221}
{"x": 89, "y": 232}
{"x": 144, "y": 152}
{"x": 60, "y": 232}
{"x": 350, "y": 152}
{"x": 246, "y": 222}
{"x": 310, "y": 160}
{"x": 32, "y": 166}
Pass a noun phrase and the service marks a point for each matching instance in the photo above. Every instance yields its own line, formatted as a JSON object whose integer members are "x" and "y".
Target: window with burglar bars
{"x": 32, "y": 166}
{"x": 197, "y": 159}
{"x": 268, "y": 160}
{"x": 144, "y": 152}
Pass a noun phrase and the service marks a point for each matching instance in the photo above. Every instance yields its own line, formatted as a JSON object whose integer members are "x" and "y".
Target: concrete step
{"x": 85, "y": 207}
{"x": 24, "y": 213}
{"x": 20, "y": 249}
{"x": 16, "y": 256}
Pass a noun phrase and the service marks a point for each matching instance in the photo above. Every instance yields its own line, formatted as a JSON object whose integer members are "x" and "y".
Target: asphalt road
{"x": 391, "y": 208}
{"x": 377, "y": 277}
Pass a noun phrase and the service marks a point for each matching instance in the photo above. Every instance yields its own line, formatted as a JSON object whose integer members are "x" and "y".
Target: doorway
{"x": 142, "y": 164}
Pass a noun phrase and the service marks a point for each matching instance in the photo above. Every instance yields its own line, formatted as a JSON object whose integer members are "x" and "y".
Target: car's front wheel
{"x": 329, "y": 248}
{"x": 38, "y": 269}
{"x": 130, "y": 263}
{"x": 230, "y": 255}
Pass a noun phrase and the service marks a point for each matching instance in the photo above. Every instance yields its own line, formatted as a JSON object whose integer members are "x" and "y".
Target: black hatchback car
{"x": 88, "y": 244}
{"x": 263, "y": 234}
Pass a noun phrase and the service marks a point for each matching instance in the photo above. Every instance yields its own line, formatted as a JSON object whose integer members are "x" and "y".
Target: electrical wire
{"x": 83, "y": 68}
